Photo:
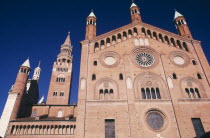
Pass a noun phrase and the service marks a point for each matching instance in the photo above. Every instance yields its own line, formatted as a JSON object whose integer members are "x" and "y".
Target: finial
{"x": 39, "y": 63}
{"x": 92, "y": 10}
{"x": 132, "y": 1}
{"x": 69, "y": 33}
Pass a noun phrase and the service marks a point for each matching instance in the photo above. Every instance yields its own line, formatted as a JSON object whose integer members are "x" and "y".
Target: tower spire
{"x": 91, "y": 26}
{"x": 181, "y": 25}
{"x": 68, "y": 40}
{"x": 135, "y": 13}
{"x": 37, "y": 72}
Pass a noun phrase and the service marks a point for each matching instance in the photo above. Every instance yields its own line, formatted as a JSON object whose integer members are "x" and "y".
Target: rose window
{"x": 145, "y": 59}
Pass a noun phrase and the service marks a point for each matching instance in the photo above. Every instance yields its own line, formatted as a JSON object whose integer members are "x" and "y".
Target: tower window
{"x": 62, "y": 94}
{"x": 93, "y": 77}
{"x": 55, "y": 93}
{"x": 95, "y": 63}
{"x": 60, "y": 79}
{"x": 121, "y": 77}
{"x": 198, "y": 127}
{"x": 111, "y": 91}
{"x": 199, "y": 76}
{"x": 174, "y": 76}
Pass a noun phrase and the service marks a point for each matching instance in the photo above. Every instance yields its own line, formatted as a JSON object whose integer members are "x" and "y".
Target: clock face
{"x": 145, "y": 59}
{"x": 155, "y": 120}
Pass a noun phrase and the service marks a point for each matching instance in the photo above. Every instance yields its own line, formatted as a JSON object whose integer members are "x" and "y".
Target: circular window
{"x": 145, "y": 59}
{"x": 179, "y": 60}
{"x": 109, "y": 60}
{"x": 155, "y": 120}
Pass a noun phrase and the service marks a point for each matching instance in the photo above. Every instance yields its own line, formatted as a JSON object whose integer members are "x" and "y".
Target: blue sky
{"x": 37, "y": 28}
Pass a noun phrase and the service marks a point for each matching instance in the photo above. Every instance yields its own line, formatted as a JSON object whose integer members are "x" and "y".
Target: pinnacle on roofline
{"x": 133, "y": 4}
{"x": 26, "y": 64}
{"x": 68, "y": 40}
{"x": 92, "y": 14}
{"x": 177, "y": 14}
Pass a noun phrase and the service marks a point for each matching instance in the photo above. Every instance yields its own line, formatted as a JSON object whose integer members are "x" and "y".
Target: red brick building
{"x": 137, "y": 81}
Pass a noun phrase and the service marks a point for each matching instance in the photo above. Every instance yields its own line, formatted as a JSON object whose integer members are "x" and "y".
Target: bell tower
{"x": 182, "y": 26}
{"x": 19, "y": 87}
{"x": 59, "y": 89}
{"x": 91, "y": 26}
{"x": 135, "y": 13}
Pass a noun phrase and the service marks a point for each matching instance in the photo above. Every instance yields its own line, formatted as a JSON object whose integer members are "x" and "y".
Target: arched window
{"x": 96, "y": 45}
{"x": 173, "y": 42}
{"x": 61, "y": 93}
{"x": 161, "y": 37}
{"x": 121, "y": 76}
{"x": 135, "y": 31}
{"x": 101, "y": 91}
{"x": 143, "y": 31}
{"x": 55, "y": 93}
{"x": 179, "y": 44}
{"x": 153, "y": 93}
{"x": 194, "y": 62}
{"x": 148, "y": 93}
{"x": 174, "y": 76}
{"x": 102, "y": 42}
{"x": 93, "y": 77}
{"x": 111, "y": 91}
{"x": 34, "y": 113}
{"x": 192, "y": 93}
{"x": 167, "y": 40}
{"x": 108, "y": 42}
{"x": 60, "y": 114}
{"x": 149, "y": 33}
{"x": 106, "y": 91}
{"x": 199, "y": 76}
{"x": 185, "y": 46}
{"x": 143, "y": 93}
{"x": 95, "y": 63}
{"x": 158, "y": 93}
{"x": 155, "y": 35}
{"x": 124, "y": 35}
{"x": 197, "y": 93}
{"x": 113, "y": 38}
{"x": 188, "y": 92}
{"x": 119, "y": 37}
{"x": 129, "y": 33}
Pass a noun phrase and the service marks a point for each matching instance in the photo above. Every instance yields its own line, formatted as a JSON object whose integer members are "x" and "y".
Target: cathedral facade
{"x": 137, "y": 81}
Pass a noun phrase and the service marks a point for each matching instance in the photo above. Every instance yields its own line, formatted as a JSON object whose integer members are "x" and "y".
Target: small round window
{"x": 179, "y": 60}
{"x": 110, "y": 60}
{"x": 145, "y": 59}
{"x": 155, "y": 120}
